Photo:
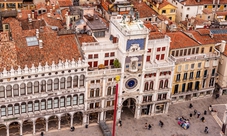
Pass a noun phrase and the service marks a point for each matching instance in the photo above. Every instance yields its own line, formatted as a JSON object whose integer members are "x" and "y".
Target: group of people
{"x": 184, "y": 123}
{"x": 148, "y": 126}
{"x": 202, "y": 118}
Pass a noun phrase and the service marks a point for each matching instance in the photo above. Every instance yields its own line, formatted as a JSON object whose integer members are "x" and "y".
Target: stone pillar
{"x": 137, "y": 112}
{"x": 59, "y": 123}
{"x": 71, "y": 123}
{"x": 7, "y": 130}
{"x": 21, "y": 129}
{"x": 167, "y": 107}
{"x": 47, "y": 125}
{"x": 34, "y": 127}
{"x": 153, "y": 109}
{"x": 85, "y": 119}
{"x": 101, "y": 115}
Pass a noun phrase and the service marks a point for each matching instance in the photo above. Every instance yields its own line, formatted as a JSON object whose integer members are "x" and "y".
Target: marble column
{"x": 47, "y": 125}
{"x": 33, "y": 127}
{"x": 21, "y": 129}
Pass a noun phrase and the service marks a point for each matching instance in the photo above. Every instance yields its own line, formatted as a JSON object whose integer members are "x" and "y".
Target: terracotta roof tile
{"x": 221, "y": 13}
{"x": 164, "y": 3}
{"x": 203, "y": 36}
{"x": 180, "y": 40}
{"x": 202, "y": 2}
{"x": 53, "y": 20}
{"x": 105, "y": 5}
{"x": 55, "y": 47}
{"x": 65, "y": 3}
{"x": 207, "y": 11}
{"x": 85, "y": 38}
{"x": 144, "y": 10}
{"x": 24, "y": 14}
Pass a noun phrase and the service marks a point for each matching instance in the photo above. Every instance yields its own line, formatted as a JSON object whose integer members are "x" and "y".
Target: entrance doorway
{"x": 128, "y": 109}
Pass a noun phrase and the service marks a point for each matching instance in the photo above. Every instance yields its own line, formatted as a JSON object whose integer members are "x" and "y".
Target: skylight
{"x": 32, "y": 41}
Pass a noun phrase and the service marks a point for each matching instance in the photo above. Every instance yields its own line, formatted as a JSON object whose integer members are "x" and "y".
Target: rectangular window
{"x": 81, "y": 99}
{"x": 62, "y": 102}
{"x": 193, "y": 51}
{"x": 181, "y": 52}
{"x": 198, "y": 74}
{"x": 149, "y": 50}
{"x": 148, "y": 58}
{"x": 177, "y": 53}
{"x": 183, "y": 87}
{"x": 56, "y": 103}
{"x": 23, "y": 108}
{"x": 97, "y": 105}
{"x": 192, "y": 66}
{"x": 43, "y": 105}
{"x": 112, "y": 54}
{"x": 189, "y": 51}
{"x": 16, "y": 109}
{"x": 96, "y": 56}
{"x": 30, "y": 107}
{"x": 3, "y": 111}
{"x": 106, "y": 54}
{"x": 186, "y": 67}
{"x": 10, "y": 110}
{"x": 197, "y": 50}
{"x": 191, "y": 75}
{"x": 178, "y": 77}
{"x": 108, "y": 103}
{"x": 49, "y": 104}
{"x": 157, "y": 57}
{"x": 213, "y": 72}
{"x": 179, "y": 68}
{"x": 173, "y": 53}
{"x": 74, "y": 100}
{"x": 163, "y": 48}
{"x": 185, "y": 52}
{"x": 199, "y": 65}
{"x": 162, "y": 56}
{"x": 158, "y": 49}
{"x": 185, "y": 76}
{"x": 90, "y": 56}
{"x": 36, "y": 106}
{"x": 68, "y": 101}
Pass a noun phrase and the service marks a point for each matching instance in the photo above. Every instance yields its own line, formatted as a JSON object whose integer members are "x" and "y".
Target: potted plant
{"x": 116, "y": 63}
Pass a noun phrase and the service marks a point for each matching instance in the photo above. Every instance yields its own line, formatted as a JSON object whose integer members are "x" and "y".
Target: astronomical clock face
{"x": 131, "y": 83}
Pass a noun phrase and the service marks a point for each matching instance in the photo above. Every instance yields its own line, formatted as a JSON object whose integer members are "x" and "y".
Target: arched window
{"x": 97, "y": 92}
{"x": 114, "y": 90}
{"x": 36, "y": 87}
{"x": 81, "y": 99}
{"x": 62, "y": 101}
{"x": 43, "y": 104}
{"x": 16, "y": 90}
{"x": 36, "y": 105}
{"x": 109, "y": 91}
{"x": 3, "y": 111}
{"x": 151, "y": 85}
{"x": 43, "y": 86}
{"x": 2, "y": 92}
{"x": 49, "y": 85}
{"x": 9, "y": 91}
{"x": 30, "y": 106}
{"x": 23, "y": 107}
{"x": 161, "y": 84}
{"x": 146, "y": 86}
{"x": 17, "y": 108}
{"x": 75, "y": 81}
{"x": 92, "y": 93}
{"x": 10, "y": 109}
{"x": 56, "y": 102}
{"x": 56, "y": 84}
{"x": 62, "y": 83}
{"x": 49, "y": 103}
{"x": 29, "y": 88}
{"x": 68, "y": 100}
{"x": 69, "y": 82}
{"x": 166, "y": 83}
{"x": 22, "y": 89}
{"x": 82, "y": 80}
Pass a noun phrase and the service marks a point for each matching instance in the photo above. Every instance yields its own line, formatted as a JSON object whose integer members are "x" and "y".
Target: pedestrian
{"x": 198, "y": 114}
{"x": 210, "y": 108}
{"x": 145, "y": 125}
{"x": 120, "y": 123}
{"x": 203, "y": 119}
{"x": 205, "y": 112}
{"x": 206, "y": 130}
{"x": 195, "y": 111}
{"x": 149, "y": 126}
{"x": 190, "y": 114}
{"x": 161, "y": 123}
{"x": 217, "y": 95}
{"x": 190, "y": 105}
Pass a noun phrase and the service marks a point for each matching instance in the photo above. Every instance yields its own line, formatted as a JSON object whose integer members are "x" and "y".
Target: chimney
{"x": 48, "y": 14}
{"x": 37, "y": 33}
{"x": 29, "y": 16}
{"x": 53, "y": 7}
{"x": 51, "y": 10}
{"x": 40, "y": 44}
{"x": 33, "y": 16}
{"x": 20, "y": 15}
{"x": 222, "y": 47}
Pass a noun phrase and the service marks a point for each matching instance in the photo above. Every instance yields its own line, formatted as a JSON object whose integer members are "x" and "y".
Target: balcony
{"x": 159, "y": 64}
{"x": 103, "y": 72}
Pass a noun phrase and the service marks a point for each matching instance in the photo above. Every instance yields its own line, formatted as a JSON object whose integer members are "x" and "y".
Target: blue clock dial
{"x": 131, "y": 83}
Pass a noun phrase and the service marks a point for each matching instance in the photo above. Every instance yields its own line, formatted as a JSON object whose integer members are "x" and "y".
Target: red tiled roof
{"x": 221, "y": 13}
{"x": 65, "y": 3}
{"x": 55, "y": 47}
{"x": 180, "y": 40}
{"x": 52, "y": 20}
{"x": 143, "y": 9}
{"x": 164, "y": 3}
{"x": 225, "y": 52}
{"x": 203, "y": 31}
{"x": 85, "y": 38}
{"x": 202, "y": 2}
{"x": 207, "y": 11}
{"x": 105, "y": 5}
{"x": 24, "y": 13}
{"x": 203, "y": 36}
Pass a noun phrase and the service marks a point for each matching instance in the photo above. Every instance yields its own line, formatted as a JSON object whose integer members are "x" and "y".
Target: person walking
{"x": 203, "y": 119}
{"x": 161, "y": 123}
{"x": 149, "y": 126}
{"x": 190, "y": 114}
{"x": 195, "y": 111}
{"x": 190, "y": 105}
{"x": 206, "y": 130}
{"x": 120, "y": 123}
{"x": 198, "y": 114}
{"x": 145, "y": 125}
{"x": 205, "y": 112}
